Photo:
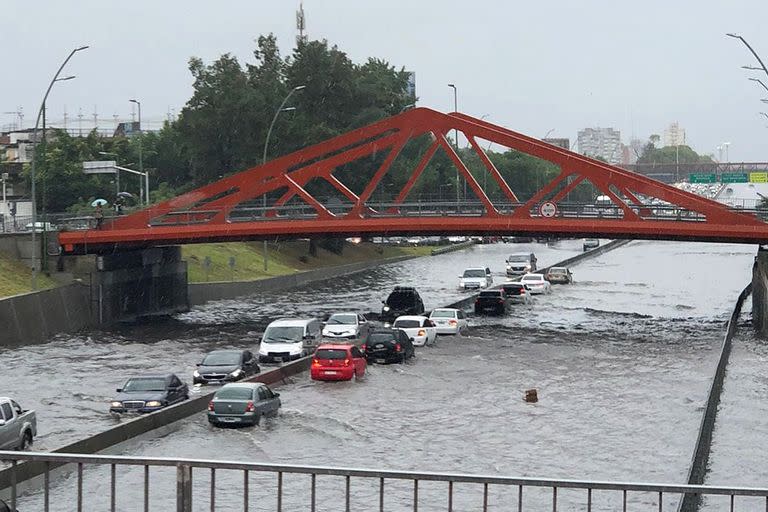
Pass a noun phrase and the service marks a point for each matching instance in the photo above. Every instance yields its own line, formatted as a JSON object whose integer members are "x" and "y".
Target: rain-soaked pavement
{"x": 621, "y": 359}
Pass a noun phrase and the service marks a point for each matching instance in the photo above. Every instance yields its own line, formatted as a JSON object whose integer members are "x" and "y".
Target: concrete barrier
{"x": 698, "y": 468}
{"x": 33, "y": 317}
{"x": 452, "y": 248}
{"x": 200, "y": 293}
{"x": 140, "y": 425}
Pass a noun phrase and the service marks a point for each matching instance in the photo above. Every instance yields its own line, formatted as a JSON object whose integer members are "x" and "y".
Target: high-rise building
{"x": 674, "y": 135}
{"x": 601, "y": 142}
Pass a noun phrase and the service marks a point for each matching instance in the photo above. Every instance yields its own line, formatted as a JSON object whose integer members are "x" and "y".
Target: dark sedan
{"x": 388, "y": 346}
{"x": 149, "y": 393}
{"x": 222, "y": 366}
{"x": 243, "y": 404}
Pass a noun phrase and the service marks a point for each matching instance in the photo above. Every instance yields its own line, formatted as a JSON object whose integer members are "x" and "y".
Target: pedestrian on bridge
{"x": 98, "y": 214}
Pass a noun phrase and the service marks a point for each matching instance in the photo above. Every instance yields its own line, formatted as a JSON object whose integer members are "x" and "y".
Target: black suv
{"x": 404, "y": 300}
{"x": 222, "y": 366}
{"x": 388, "y": 346}
{"x": 494, "y": 302}
{"x": 149, "y": 393}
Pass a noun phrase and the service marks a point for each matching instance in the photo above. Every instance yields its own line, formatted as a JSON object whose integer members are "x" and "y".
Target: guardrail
{"x": 698, "y": 468}
{"x": 378, "y": 486}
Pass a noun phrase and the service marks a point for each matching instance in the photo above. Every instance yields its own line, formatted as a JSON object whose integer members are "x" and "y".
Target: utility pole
{"x": 456, "y": 142}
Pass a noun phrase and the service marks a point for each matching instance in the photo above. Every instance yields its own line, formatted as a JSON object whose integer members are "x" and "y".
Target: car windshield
{"x": 378, "y": 337}
{"x": 342, "y": 319}
{"x": 557, "y": 271}
{"x": 221, "y": 359}
{"x": 492, "y": 294}
{"x": 533, "y": 277}
{"x": 518, "y": 258}
{"x": 443, "y": 313}
{"x": 331, "y": 353}
{"x": 144, "y": 385}
{"x": 285, "y": 334}
{"x": 400, "y": 299}
{"x": 406, "y": 324}
{"x": 474, "y": 272}
{"x": 234, "y": 393}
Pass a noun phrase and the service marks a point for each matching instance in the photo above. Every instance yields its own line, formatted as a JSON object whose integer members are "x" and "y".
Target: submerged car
{"x": 536, "y": 283}
{"x": 475, "y": 277}
{"x": 521, "y": 263}
{"x": 288, "y": 339}
{"x": 449, "y": 320}
{"x": 388, "y": 346}
{"x": 404, "y": 300}
{"x": 346, "y": 326}
{"x": 220, "y": 366}
{"x": 492, "y": 302}
{"x": 149, "y": 393}
{"x": 337, "y": 361}
{"x": 590, "y": 243}
{"x": 517, "y": 293}
{"x": 559, "y": 275}
{"x": 419, "y": 329}
{"x": 243, "y": 403}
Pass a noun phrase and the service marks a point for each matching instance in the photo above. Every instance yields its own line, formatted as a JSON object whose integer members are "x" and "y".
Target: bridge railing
{"x": 159, "y": 483}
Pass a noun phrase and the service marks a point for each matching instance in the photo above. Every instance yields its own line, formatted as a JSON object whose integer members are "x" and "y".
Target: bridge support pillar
{"x": 760, "y": 292}
{"x": 129, "y": 285}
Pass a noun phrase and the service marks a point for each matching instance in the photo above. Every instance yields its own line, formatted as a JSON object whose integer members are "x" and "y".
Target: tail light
{"x": 346, "y": 362}
{"x": 398, "y": 348}
{"x": 210, "y": 405}
{"x": 501, "y": 301}
{"x": 249, "y": 407}
{"x": 421, "y": 332}
{"x": 452, "y": 322}
{"x": 315, "y": 362}
{"x": 363, "y": 347}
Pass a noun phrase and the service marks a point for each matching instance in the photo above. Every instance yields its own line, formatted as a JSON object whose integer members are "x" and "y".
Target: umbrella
{"x": 125, "y": 194}
{"x": 99, "y": 202}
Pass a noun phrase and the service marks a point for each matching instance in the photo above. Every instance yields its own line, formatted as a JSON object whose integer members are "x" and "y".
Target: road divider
{"x": 452, "y": 248}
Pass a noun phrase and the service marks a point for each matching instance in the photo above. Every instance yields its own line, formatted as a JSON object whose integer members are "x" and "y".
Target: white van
{"x": 290, "y": 338}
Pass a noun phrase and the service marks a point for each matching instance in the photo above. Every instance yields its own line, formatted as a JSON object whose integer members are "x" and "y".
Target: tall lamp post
{"x": 141, "y": 160}
{"x": 762, "y": 66}
{"x": 725, "y": 145}
{"x": 34, "y": 164}
{"x": 281, "y": 108}
{"x": 456, "y": 138}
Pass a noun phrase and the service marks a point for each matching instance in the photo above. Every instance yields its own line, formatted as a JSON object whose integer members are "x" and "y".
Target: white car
{"x": 475, "y": 278}
{"x": 420, "y": 329}
{"x": 536, "y": 283}
{"x": 346, "y": 326}
{"x": 517, "y": 293}
{"x": 449, "y": 320}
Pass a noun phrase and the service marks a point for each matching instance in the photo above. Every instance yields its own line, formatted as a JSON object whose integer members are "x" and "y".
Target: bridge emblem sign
{"x": 548, "y": 209}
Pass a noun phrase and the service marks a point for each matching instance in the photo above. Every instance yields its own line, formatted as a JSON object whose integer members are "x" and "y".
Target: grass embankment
{"x": 16, "y": 277}
{"x": 284, "y": 258}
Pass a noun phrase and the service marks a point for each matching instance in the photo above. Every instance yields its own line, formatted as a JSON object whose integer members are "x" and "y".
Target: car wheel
{"x": 26, "y": 441}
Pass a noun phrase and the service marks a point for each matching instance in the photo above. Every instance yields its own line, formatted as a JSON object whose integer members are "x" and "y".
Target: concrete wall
{"x": 200, "y": 293}
{"x": 760, "y": 293}
{"x": 140, "y": 425}
{"x": 698, "y": 468}
{"x": 33, "y": 317}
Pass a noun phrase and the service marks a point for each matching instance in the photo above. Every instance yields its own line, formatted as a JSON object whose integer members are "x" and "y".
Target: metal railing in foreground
{"x": 170, "y": 481}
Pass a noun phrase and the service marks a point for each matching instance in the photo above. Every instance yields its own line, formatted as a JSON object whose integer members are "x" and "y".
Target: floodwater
{"x": 621, "y": 360}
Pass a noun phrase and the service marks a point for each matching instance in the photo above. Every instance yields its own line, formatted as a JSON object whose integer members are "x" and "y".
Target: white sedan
{"x": 348, "y": 326}
{"x": 449, "y": 320}
{"x": 536, "y": 283}
{"x": 419, "y": 328}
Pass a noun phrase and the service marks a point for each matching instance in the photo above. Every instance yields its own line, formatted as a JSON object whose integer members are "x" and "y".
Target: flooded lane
{"x": 622, "y": 361}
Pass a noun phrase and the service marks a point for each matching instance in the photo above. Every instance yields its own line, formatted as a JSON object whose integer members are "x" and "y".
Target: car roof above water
{"x": 291, "y": 322}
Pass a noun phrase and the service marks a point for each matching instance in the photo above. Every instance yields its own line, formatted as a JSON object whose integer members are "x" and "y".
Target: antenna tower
{"x": 301, "y": 37}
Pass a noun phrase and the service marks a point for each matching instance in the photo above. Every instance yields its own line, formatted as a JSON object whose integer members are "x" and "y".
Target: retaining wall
{"x": 33, "y": 317}
{"x": 200, "y": 293}
{"x": 140, "y": 425}
{"x": 760, "y": 293}
{"x": 452, "y": 248}
{"x": 698, "y": 468}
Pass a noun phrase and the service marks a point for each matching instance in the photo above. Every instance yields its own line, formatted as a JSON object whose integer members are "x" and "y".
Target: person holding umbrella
{"x": 98, "y": 213}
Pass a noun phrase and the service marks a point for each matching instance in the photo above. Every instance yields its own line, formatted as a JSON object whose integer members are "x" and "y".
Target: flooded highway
{"x": 622, "y": 361}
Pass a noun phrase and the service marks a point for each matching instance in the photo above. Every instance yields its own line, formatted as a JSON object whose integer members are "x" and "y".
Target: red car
{"x": 336, "y": 361}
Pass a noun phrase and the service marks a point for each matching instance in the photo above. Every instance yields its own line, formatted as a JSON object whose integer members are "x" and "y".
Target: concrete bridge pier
{"x": 128, "y": 285}
{"x": 760, "y": 292}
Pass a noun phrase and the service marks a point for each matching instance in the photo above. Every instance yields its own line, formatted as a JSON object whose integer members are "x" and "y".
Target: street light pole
{"x": 726, "y": 144}
{"x": 737, "y": 36}
{"x": 141, "y": 160}
{"x": 264, "y": 158}
{"x": 456, "y": 137}
{"x": 34, "y": 164}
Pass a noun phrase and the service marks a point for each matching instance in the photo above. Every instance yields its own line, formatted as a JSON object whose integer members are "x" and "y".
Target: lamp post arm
{"x": 272, "y": 124}
{"x": 754, "y": 53}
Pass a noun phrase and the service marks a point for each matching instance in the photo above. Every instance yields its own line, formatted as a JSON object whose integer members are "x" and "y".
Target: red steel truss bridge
{"x": 274, "y": 200}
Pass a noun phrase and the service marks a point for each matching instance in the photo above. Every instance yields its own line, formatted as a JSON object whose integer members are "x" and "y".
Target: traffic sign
{"x": 548, "y": 209}
{"x": 734, "y": 177}
{"x": 758, "y": 177}
{"x": 702, "y": 177}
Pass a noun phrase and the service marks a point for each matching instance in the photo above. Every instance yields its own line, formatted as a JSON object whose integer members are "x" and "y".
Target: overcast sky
{"x": 533, "y": 67}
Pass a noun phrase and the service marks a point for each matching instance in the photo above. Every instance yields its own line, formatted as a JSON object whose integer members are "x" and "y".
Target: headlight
{"x": 195, "y": 373}
{"x": 386, "y": 308}
{"x": 154, "y": 403}
{"x": 236, "y": 373}
{"x": 116, "y": 404}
